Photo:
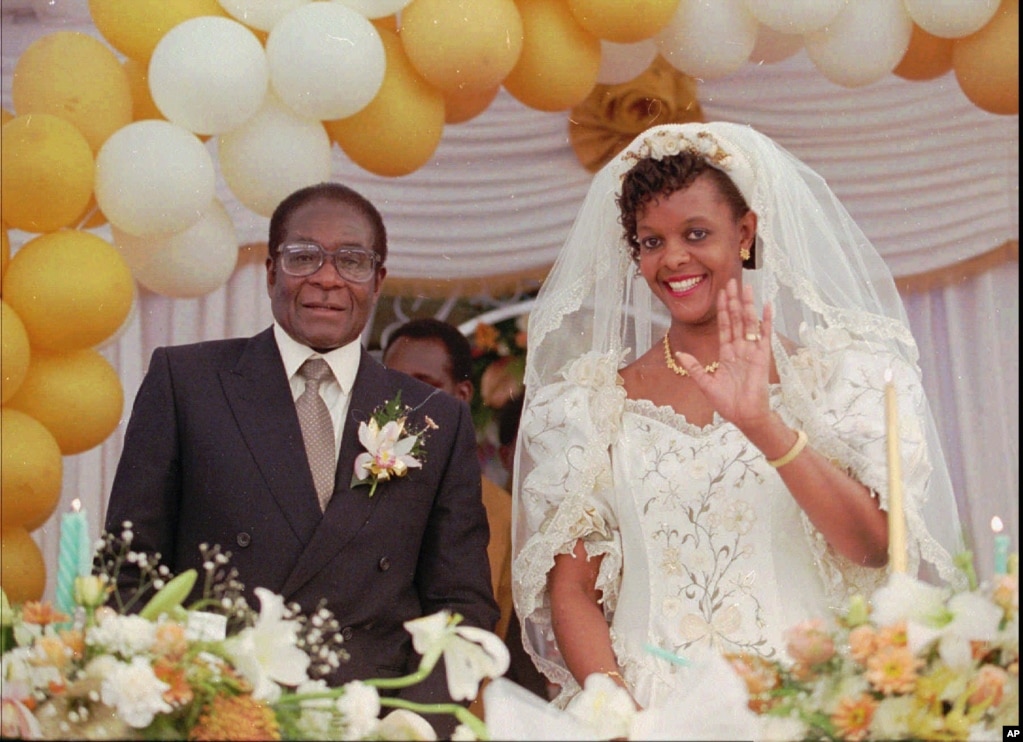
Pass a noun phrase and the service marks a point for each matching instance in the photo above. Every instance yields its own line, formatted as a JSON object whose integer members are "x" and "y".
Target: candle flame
{"x": 76, "y": 504}
{"x": 996, "y": 524}
{"x": 888, "y": 376}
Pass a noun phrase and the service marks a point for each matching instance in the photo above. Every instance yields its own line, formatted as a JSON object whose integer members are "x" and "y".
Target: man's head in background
{"x": 434, "y": 352}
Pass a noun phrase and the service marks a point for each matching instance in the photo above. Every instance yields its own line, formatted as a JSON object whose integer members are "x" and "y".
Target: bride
{"x": 702, "y": 453}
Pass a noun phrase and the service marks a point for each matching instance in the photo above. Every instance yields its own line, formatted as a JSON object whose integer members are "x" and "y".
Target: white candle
{"x": 75, "y": 556}
{"x": 1001, "y": 547}
{"x": 896, "y": 514}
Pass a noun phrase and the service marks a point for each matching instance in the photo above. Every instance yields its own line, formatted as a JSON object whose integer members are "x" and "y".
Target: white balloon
{"x": 273, "y": 154}
{"x": 189, "y": 264}
{"x": 208, "y": 74}
{"x": 326, "y": 60}
{"x": 154, "y": 178}
{"x": 951, "y": 19}
{"x": 795, "y": 16}
{"x": 708, "y": 40}
{"x": 376, "y": 8}
{"x": 261, "y": 14}
{"x": 623, "y": 62}
{"x": 863, "y": 44}
{"x": 773, "y": 46}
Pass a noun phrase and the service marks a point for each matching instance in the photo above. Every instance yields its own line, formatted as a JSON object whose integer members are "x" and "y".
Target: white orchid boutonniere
{"x": 392, "y": 448}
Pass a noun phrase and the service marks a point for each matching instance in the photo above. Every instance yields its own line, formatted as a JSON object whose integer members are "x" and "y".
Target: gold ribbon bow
{"x": 613, "y": 115}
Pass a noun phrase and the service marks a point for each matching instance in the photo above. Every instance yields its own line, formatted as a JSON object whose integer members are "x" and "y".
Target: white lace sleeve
{"x": 848, "y": 425}
{"x": 564, "y": 487}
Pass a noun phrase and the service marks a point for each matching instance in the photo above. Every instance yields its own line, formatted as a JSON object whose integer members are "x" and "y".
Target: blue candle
{"x": 75, "y": 556}
{"x": 1001, "y": 547}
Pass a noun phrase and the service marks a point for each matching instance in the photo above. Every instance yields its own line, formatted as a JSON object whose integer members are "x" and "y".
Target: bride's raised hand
{"x": 738, "y": 389}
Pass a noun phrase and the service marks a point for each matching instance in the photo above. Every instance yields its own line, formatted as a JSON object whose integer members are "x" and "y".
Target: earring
{"x": 744, "y": 254}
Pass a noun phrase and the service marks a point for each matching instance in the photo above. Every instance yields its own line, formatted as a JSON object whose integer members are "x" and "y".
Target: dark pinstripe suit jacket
{"x": 213, "y": 453}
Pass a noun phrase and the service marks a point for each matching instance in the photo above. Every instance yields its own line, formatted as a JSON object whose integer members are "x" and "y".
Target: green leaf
{"x": 171, "y": 596}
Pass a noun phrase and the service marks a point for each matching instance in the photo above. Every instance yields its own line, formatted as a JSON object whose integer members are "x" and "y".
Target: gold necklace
{"x": 670, "y": 360}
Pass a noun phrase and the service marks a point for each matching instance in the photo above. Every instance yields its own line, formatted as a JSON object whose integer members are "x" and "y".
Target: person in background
{"x": 702, "y": 459}
{"x": 437, "y": 353}
{"x": 215, "y": 453}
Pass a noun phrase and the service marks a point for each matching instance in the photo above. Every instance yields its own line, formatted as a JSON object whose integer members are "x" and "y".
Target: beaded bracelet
{"x": 613, "y": 674}
{"x": 796, "y": 449}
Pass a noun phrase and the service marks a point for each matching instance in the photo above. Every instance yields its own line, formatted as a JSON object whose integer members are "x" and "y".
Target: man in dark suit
{"x": 214, "y": 454}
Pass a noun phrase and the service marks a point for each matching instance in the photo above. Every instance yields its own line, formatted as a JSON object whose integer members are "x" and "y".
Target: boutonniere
{"x": 392, "y": 447}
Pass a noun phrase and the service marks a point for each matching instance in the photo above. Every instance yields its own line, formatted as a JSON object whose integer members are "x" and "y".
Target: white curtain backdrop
{"x": 932, "y": 180}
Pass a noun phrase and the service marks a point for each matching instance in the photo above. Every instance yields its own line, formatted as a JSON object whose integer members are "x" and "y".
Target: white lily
{"x": 387, "y": 453}
{"x": 402, "y": 724}
{"x": 266, "y": 654}
{"x": 604, "y": 706}
{"x": 470, "y": 654}
{"x": 931, "y": 616}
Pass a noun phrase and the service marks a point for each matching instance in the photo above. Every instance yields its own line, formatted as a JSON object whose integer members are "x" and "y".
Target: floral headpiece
{"x": 673, "y": 139}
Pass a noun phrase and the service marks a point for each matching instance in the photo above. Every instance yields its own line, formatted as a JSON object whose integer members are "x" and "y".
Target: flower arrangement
{"x": 499, "y": 366}
{"x": 215, "y": 670}
{"x": 915, "y": 662}
{"x": 392, "y": 448}
{"x": 918, "y": 662}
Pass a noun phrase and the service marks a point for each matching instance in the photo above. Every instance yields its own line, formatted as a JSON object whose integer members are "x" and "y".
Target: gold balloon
{"x": 71, "y": 289}
{"x": 5, "y": 116}
{"x": 22, "y": 567}
{"x": 560, "y": 59}
{"x": 466, "y": 46}
{"x": 76, "y": 395}
{"x": 32, "y": 469}
{"x": 142, "y": 105}
{"x": 15, "y": 352}
{"x": 986, "y": 63}
{"x": 47, "y": 172}
{"x": 927, "y": 57}
{"x": 76, "y": 77}
{"x": 459, "y": 108}
{"x": 5, "y": 251}
{"x": 623, "y": 23}
{"x": 135, "y": 27}
{"x": 398, "y": 132}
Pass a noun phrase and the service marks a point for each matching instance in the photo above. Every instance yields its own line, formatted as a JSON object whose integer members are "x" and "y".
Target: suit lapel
{"x": 258, "y": 392}
{"x": 350, "y": 508}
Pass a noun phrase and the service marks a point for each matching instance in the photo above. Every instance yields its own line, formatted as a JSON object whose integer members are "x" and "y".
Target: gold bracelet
{"x": 613, "y": 674}
{"x": 796, "y": 449}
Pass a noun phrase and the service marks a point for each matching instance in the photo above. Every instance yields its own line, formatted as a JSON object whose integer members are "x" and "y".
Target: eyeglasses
{"x": 305, "y": 258}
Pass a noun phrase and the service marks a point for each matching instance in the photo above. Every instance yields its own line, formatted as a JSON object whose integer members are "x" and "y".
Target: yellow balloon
{"x": 5, "y": 251}
{"x": 15, "y": 352}
{"x": 560, "y": 59}
{"x": 986, "y": 63}
{"x": 76, "y": 77}
{"x": 142, "y": 103}
{"x": 32, "y": 469}
{"x": 135, "y": 27}
{"x": 398, "y": 132}
{"x": 623, "y": 23}
{"x": 76, "y": 395}
{"x": 462, "y": 45}
{"x": 927, "y": 57}
{"x": 5, "y": 116}
{"x": 71, "y": 289}
{"x": 459, "y": 108}
{"x": 22, "y": 567}
{"x": 47, "y": 173}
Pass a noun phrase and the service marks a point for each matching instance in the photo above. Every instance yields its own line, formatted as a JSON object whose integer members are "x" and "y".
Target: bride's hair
{"x": 650, "y": 179}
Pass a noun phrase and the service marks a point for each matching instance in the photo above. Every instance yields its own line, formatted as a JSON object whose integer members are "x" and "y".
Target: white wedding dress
{"x": 702, "y": 543}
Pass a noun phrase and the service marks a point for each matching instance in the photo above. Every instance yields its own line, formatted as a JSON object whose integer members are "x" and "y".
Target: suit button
{"x": 244, "y": 539}
{"x": 346, "y": 633}
{"x": 384, "y": 564}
